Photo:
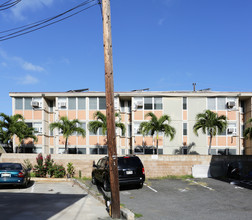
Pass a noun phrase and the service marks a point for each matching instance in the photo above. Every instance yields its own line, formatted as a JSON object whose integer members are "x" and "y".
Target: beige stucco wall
{"x": 163, "y": 166}
{"x": 196, "y": 105}
{"x": 172, "y": 106}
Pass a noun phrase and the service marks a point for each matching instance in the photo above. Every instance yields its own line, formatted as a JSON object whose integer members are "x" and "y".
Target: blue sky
{"x": 164, "y": 45}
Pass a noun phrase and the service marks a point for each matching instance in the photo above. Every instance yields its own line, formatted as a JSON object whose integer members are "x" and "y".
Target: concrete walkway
{"x": 87, "y": 208}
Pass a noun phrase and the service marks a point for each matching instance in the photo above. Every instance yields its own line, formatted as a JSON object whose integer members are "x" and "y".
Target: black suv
{"x": 130, "y": 170}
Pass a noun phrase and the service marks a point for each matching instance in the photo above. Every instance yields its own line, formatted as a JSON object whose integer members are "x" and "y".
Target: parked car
{"x": 239, "y": 170}
{"x": 14, "y": 174}
{"x": 130, "y": 172}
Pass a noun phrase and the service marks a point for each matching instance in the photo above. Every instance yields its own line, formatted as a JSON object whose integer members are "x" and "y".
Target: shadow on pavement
{"x": 232, "y": 169}
{"x": 24, "y": 205}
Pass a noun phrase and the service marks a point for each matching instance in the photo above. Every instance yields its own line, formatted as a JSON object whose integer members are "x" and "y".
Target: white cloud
{"x": 31, "y": 67}
{"x": 3, "y": 64}
{"x": 32, "y": 5}
{"x": 26, "y": 80}
{"x": 14, "y": 60}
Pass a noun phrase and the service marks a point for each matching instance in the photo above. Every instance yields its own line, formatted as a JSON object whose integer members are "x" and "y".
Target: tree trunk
{"x": 157, "y": 144}
{"x": 210, "y": 143}
{"x": 66, "y": 146}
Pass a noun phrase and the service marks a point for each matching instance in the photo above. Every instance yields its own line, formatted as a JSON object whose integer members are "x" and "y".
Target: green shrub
{"x": 28, "y": 164}
{"x": 70, "y": 169}
{"x": 58, "y": 171}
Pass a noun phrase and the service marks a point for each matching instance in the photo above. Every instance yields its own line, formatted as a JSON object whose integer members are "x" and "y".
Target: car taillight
{"x": 126, "y": 157}
{"x": 143, "y": 171}
{"x": 20, "y": 174}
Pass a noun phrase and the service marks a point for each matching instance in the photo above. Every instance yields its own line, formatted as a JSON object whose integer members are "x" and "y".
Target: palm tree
{"x": 210, "y": 123}
{"x": 68, "y": 128}
{"x": 248, "y": 131}
{"x": 14, "y": 125}
{"x": 101, "y": 122}
{"x": 156, "y": 125}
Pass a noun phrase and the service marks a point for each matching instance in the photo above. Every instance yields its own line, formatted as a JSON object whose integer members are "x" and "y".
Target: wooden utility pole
{"x": 110, "y": 110}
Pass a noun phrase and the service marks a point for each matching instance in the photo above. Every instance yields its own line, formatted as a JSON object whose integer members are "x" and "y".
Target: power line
{"x": 45, "y": 22}
{"x": 8, "y": 4}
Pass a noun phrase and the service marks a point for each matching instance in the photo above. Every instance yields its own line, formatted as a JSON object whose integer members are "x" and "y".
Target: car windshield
{"x": 129, "y": 161}
{"x": 10, "y": 166}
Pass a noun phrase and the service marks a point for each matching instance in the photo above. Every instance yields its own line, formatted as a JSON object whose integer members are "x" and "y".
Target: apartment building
{"x": 42, "y": 108}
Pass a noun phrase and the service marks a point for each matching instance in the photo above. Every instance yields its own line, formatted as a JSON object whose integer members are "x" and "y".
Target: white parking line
{"x": 32, "y": 189}
{"x": 200, "y": 184}
{"x": 151, "y": 188}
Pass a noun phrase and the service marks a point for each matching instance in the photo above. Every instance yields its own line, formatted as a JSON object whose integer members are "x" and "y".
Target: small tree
{"x": 68, "y": 128}
{"x": 248, "y": 131}
{"x": 101, "y": 122}
{"x": 157, "y": 125}
{"x": 14, "y": 125}
{"x": 210, "y": 123}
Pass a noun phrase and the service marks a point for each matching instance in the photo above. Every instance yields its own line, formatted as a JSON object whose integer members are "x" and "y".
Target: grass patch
{"x": 122, "y": 205}
{"x": 173, "y": 177}
{"x": 137, "y": 215}
{"x": 32, "y": 174}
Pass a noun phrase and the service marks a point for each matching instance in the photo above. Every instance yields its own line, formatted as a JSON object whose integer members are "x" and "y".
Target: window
{"x": 62, "y": 103}
{"x": 129, "y": 106}
{"x": 50, "y": 104}
{"x": 102, "y": 103}
{"x": 138, "y": 102}
{"x": 184, "y": 128}
{"x": 211, "y": 103}
{"x": 158, "y": 103}
{"x": 152, "y": 103}
{"x": 129, "y": 131}
{"x": 184, "y": 103}
{"x": 93, "y": 103}
{"x": 81, "y": 103}
{"x": 51, "y": 132}
{"x": 72, "y": 103}
{"x": 136, "y": 128}
{"x": 18, "y": 103}
{"x": 37, "y": 127}
{"x": 28, "y": 105}
{"x": 122, "y": 104}
{"x": 221, "y": 103}
{"x": 148, "y": 103}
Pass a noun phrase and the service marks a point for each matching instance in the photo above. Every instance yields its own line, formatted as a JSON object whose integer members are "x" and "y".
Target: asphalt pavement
{"x": 50, "y": 200}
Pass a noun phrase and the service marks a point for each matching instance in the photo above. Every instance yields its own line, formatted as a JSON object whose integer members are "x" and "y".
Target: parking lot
{"x": 49, "y": 200}
{"x": 190, "y": 199}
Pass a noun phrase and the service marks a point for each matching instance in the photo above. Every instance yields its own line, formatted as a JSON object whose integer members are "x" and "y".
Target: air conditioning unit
{"x": 38, "y": 129}
{"x": 62, "y": 104}
{"x": 230, "y": 104}
{"x": 35, "y": 104}
{"x": 139, "y": 103}
{"x": 231, "y": 130}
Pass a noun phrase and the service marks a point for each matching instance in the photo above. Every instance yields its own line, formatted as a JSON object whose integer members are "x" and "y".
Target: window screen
{"x": 211, "y": 103}
{"x": 93, "y": 103}
{"x": 19, "y": 103}
{"x": 184, "y": 103}
{"x": 157, "y": 103}
{"x": 81, "y": 103}
{"x": 147, "y": 103}
{"x": 72, "y": 103}
{"x": 102, "y": 103}
{"x": 28, "y": 105}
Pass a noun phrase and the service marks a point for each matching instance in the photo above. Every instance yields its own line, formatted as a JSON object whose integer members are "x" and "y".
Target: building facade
{"x": 42, "y": 108}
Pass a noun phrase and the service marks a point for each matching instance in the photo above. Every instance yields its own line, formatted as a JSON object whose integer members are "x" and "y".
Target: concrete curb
{"x": 125, "y": 213}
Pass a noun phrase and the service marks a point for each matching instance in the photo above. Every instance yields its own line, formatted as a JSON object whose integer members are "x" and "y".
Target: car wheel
{"x": 140, "y": 185}
{"x": 25, "y": 184}
{"x": 106, "y": 186}
{"x": 93, "y": 180}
